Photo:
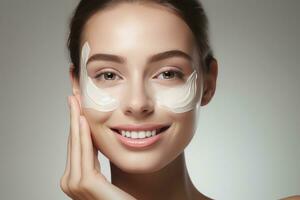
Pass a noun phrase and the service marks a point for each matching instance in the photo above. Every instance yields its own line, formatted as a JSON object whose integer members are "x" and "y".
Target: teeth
{"x": 138, "y": 134}
{"x": 153, "y": 133}
{"x": 142, "y": 134}
{"x": 148, "y": 133}
{"x": 134, "y": 134}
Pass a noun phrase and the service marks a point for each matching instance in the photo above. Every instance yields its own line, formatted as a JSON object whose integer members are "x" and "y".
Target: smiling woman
{"x": 141, "y": 72}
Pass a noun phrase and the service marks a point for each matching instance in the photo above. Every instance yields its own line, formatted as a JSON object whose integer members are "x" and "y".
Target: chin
{"x": 134, "y": 165}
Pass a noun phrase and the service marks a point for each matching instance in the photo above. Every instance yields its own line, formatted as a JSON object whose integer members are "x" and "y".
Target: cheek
{"x": 102, "y": 137}
{"x": 95, "y": 117}
{"x": 181, "y": 134}
{"x": 186, "y": 127}
{"x": 96, "y": 120}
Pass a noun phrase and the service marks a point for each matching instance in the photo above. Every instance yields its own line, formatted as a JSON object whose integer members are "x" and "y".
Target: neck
{"x": 171, "y": 182}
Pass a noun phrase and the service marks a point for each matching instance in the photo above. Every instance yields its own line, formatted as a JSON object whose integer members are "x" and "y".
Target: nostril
{"x": 141, "y": 111}
{"x": 146, "y": 111}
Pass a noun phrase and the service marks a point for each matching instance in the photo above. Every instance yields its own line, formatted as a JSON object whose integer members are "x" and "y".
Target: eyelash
{"x": 177, "y": 74}
{"x": 103, "y": 73}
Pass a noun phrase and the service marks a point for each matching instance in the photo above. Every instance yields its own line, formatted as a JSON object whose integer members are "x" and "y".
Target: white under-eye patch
{"x": 92, "y": 96}
{"x": 178, "y": 99}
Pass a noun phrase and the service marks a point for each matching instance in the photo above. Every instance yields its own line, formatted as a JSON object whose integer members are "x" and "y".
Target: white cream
{"x": 178, "y": 99}
{"x": 92, "y": 96}
{"x": 181, "y": 98}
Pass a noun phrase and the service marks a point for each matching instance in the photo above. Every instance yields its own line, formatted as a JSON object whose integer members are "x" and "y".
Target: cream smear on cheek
{"x": 92, "y": 96}
{"x": 178, "y": 99}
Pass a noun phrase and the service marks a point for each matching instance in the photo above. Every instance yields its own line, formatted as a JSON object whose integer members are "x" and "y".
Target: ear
{"x": 210, "y": 81}
{"x": 75, "y": 85}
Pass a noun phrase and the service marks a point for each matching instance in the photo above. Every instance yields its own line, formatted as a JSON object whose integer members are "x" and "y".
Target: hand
{"x": 82, "y": 179}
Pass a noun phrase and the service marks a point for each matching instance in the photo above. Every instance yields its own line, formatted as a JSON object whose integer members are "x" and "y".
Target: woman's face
{"x": 136, "y": 32}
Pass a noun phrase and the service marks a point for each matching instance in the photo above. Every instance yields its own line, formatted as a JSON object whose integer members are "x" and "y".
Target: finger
{"x": 75, "y": 154}
{"x": 65, "y": 178}
{"x": 67, "y": 169}
{"x": 77, "y": 96}
{"x": 87, "y": 160}
{"x": 75, "y": 139}
{"x": 67, "y": 172}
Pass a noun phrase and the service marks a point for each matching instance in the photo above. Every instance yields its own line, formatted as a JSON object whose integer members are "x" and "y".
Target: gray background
{"x": 247, "y": 144}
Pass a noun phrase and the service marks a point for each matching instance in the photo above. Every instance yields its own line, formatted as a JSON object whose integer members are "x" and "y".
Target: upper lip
{"x": 140, "y": 127}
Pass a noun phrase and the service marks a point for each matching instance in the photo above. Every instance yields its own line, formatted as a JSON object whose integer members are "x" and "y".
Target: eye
{"x": 170, "y": 74}
{"x": 109, "y": 76}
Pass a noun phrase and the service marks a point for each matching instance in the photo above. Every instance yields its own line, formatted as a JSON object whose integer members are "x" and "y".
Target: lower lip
{"x": 138, "y": 143}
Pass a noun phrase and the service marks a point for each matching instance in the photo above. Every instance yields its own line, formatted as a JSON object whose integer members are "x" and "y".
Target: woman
{"x": 141, "y": 72}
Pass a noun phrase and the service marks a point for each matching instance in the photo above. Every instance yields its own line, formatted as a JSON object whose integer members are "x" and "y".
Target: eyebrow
{"x": 153, "y": 58}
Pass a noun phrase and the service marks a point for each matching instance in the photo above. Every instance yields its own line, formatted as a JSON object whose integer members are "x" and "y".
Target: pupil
{"x": 109, "y": 76}
{"x": 168, "y": 75}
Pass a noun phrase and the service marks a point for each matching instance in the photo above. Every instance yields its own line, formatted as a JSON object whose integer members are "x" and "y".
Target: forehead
{"x": 135, "y": 29}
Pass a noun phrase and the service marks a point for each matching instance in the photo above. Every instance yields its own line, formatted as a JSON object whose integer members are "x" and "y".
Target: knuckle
{"x": 64, "y": 188}
{"x": 63, "y": 184}
{"x": 84, "y": 184}
{"x": 74, "y": 187}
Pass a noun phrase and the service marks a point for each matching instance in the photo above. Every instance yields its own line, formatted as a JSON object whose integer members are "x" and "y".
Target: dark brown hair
{"x": 191, "y": 11}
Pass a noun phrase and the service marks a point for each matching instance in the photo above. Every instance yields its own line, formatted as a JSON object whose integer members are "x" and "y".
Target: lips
{"x": 140, "y": 136}
{"x": 158, "y": 128}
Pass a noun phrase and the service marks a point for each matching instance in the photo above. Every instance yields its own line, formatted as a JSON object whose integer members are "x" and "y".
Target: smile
{"x": 139, "y": 136}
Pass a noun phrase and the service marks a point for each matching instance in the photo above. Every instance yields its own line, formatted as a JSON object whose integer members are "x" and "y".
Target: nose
{"x": 137, "y": 102}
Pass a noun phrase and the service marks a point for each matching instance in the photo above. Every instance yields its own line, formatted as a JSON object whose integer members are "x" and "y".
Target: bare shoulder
{"x": 292, "y": 198}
